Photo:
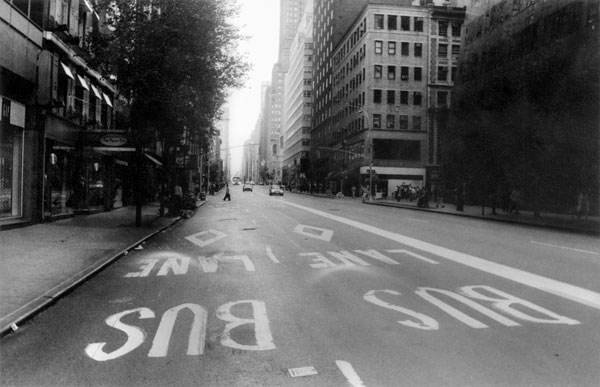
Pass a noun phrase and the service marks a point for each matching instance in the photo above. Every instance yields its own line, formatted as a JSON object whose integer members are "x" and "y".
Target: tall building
{"x": 297, "y": 104}
{"x": 225, "y": 154}
{"x": 376, "y": 128}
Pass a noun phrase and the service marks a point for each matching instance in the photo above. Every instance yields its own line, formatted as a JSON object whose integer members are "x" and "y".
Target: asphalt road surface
{"x": 305, "y": 291}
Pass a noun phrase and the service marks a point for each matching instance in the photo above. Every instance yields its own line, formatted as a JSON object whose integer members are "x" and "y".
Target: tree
{"x": 175, "y": 62}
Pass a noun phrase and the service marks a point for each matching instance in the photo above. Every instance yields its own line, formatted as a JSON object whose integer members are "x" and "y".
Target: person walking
{"x": 227, "y": 194}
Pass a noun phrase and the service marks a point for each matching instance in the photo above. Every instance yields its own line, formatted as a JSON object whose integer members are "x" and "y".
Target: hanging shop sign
{"x": 109, "y": 141}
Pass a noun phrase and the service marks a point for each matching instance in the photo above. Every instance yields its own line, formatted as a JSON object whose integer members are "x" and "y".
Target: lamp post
{"x": 370, "y": 153}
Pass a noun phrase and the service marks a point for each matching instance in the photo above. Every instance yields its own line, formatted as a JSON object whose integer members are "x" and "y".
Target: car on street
{"x": 247, "y": 187}
{"x": 275, "y": 189}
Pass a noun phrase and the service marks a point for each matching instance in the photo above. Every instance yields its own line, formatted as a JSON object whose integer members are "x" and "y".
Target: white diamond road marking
{"x": 302, "y": 371}
{"x": 197, "y": 240}
{"x": 314, "y": 232}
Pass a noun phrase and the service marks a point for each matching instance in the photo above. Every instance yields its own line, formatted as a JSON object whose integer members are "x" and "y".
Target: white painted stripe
{"x": 349, "y": 373}
{"x": 271, "y": 255}
{"x": 571, "y": 292}
{"x": 417, "y": 220}
{"x": 564, "y": 247}
{"x": 422, "y": 258}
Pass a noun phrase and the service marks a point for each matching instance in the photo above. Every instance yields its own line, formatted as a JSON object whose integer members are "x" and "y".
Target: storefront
{"x": 12, "y": 124}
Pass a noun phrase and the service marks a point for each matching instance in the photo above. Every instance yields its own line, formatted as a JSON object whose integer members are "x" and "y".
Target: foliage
{"x": 530, "y": 124}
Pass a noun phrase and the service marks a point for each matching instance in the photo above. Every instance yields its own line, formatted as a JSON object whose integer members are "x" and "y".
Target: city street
{"x": 305, "y": 291}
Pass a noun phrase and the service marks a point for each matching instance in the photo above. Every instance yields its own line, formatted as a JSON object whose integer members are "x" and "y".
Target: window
{"x": 404, "y": 73}
{"x": 404, "y": 97}
{"x": 403, "y": 122}
{"x": 378, "y": 47}
{"x": 456, "y": 28}
{"x": 418, "y": 50}
{"x": 442, "y": 99}
{"x": 405, "y": 23}
{"x": 453, "y": 74}
{"x": 378, "y": 70}
{"x": 442, "y": 73}
{"x": 378, "y": 22}
{"x": 391, "y": 97}
{"x": 404, "y": 48}
{"x": 376, "y": 121}
{"x": 417, "y": 98}
{"x": 443, "y": 28}
{"x": 416, "y": 122}
{"x": 455, "y": 50}
{"x": 443, "y": 50}
{"x": 376, "y": 96}
{"x": 391, "y": 48}
{"x": 392, "y": 22}
{"x": 391, "y": 74}
{"x": 418, "y": 24}
{"x": 387, "y": 149}
{"x": 389, "y": 121}
{"x": 418, "y": 74}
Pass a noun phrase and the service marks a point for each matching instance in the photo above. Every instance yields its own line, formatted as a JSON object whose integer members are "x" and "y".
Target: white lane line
{"x": 571, "y": 292}
{"x": 271, "y": 255}
{"x": 349, "y": 373}
{"x": 402, "y": 251}
{"x": 564, "y": 247}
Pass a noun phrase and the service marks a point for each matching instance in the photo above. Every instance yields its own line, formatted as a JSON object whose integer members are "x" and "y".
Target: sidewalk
{"x": 562, "y": 222}
{"x": 40, "y": 263}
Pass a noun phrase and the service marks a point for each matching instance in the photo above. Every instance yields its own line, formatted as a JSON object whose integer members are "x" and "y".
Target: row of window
{"x": 391, "y": 97}
{"x": 403, "y": 122}
{"x": 404, "y": 72}
{"x": 404, "y": 48}
{"x": 392, "y": 23}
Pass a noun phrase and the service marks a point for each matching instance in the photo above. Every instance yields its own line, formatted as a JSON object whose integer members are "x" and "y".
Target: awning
{"x": 67, "y": 70}
{"x": 83, "y": 82}
{"x": 152, "y": 158}
{"x": 107, "y": 100}
{"x": 95, "y": 90}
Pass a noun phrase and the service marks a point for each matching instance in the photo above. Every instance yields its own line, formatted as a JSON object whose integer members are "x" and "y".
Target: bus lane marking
{"x": 558, "y": 288}
{"x": 349, "y": 373}
{"x": 199, "y": 241}
{"x": 564, "y": 248}
{"x": 314, "y": 232}
{"x": 271, "y": 256}
{"x": 422, "y": 258}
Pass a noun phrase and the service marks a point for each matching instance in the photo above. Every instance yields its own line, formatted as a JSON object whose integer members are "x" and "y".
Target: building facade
{"x": 297, "y": 104}
{"x": 59, "y": 115}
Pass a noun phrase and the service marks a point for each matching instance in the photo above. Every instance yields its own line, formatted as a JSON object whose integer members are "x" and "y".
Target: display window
{"x": 60, "y": 184}
{"x": 11, "y": 170}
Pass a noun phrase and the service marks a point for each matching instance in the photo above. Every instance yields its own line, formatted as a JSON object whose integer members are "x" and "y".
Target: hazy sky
{"x": 259, "y": 19}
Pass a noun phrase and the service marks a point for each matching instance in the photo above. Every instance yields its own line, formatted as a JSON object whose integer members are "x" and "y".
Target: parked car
{"x": 275, "y": 189}
{"x": 247, "y": 187}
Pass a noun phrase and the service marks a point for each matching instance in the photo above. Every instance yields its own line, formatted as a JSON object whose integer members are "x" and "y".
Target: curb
{"x": 53, "y": 295}
{"x": 511, "y": 221}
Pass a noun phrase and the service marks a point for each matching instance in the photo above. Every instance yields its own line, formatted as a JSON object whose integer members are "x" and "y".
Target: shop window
{"x": 418, "y": 50}
{"x": 392, "y": 22}
{"x": 391, "y": 74}
{"x": 391, "y": 48}
{"x": 391, "y": 97}
{"x": 11, "y": 159}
